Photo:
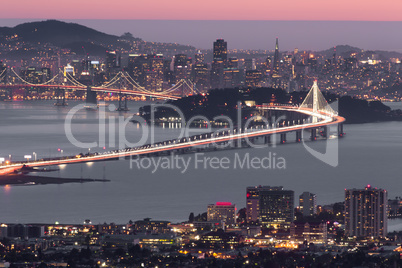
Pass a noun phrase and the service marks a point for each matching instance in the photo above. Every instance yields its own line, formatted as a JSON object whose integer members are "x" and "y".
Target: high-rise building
{"x": 308, "y": 204}
{"x": 253, "y": 78}
{"x": 199, "y": 57}
{"x": 219, "y": 63}
{"x": 249, "y": 64}
{"x": 231, "y": 74}
{"x": 182, "y": 67}
{"x": 253, "y": 203}
{"x": 276, "y": 207}
{"x": 155, "y": 73}
{"x": 137, "y": 68}
{"x": 270, "y": 206}
{"x": 275, "y": 66}
{"x": 217, "y": 67}
{"x": 220, "y": 50}
{"x": 222, "y": 211}
{"x": 201, "y": 76}
{"x": 112, "y": 64}
{"x": 366, "y": 212}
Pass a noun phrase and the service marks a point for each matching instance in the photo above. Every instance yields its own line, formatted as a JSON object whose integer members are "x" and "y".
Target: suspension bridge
{"x": 122, "y": 83}
{"x": 312, "y": 116}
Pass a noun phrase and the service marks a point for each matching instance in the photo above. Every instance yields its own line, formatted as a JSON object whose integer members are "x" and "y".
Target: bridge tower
{"x": 122, "y": 97}
{"x": 60, "y": 92}
{"x": 316, "y": 102}
{"x": 7, "y": 93}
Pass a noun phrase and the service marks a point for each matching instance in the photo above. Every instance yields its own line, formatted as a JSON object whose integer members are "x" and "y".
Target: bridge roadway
{"x": 325, "y": 119}
{"x": 99, "y": 89}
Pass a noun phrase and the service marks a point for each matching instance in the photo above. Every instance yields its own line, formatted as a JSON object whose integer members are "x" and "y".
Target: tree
{"x": 127, "y": 36}
{"x": 191, "y": 217}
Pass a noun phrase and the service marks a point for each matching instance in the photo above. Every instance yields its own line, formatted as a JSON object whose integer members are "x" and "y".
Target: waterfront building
{"x": 366, "y": 212}
{"x": 308, "y": 204}
{"x": 222, "y": 211}
{"x": 276, "y": 207}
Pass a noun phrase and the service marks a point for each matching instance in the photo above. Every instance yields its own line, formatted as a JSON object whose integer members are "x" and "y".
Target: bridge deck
{"x": 325, "y": 120}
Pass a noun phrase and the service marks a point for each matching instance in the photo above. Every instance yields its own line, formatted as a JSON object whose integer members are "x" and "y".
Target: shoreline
{"x": 19, "y": 179}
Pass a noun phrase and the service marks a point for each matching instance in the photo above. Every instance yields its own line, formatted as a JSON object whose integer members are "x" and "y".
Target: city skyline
{"x": 304, "y": 35}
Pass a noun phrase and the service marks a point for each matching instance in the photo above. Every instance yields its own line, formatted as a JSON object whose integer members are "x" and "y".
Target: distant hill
{"x": 341, "y": 50}
{"x": 62, "y": 34}
{"x": 346, "y": 50}
{"x": 56, "y": 32}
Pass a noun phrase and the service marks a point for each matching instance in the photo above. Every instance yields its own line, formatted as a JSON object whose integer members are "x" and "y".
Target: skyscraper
{"x": 253, "y": 78}
{"x": 276, "y": 207}
{"x": 231, "y": 73}
{"x": 182, "y": 67}
{"x": 137, "y": 67}
{"x": 199, "y": 57}
{"x": 155, "y": 73}
{"x": 112, "y": 64}
{"x": 218, "y": 63}
{"x": 220, "y": 50}
{"x": 201, "y": 76}
{"x": 308, "y": 204}
{"x": 275, "y": 67}
{"x": 366, "y": 212}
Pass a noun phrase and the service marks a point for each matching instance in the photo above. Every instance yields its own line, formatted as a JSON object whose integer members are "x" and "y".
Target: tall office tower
{"x": 276, "y": 207}
{"x": 253, "y": 203}
{"x": 366, "y": 212}
{"x": 201, "y": 76}
{"x": 308, "y": 204}
{"x": 218, "y": 63}
{"x": 275, "y": 66}
{"x": 222, "y": 211}
{"x": 199, "y": 57}
{"x": 271, "y": 206}
{"x": 112, "y": 64}
{"x": 155, "y": 73}
{"x": 138, "y": 65}
{"x": 253, "y": 78}
{"x": 268, "y": 64}
{"x": 217, "y": 74}
{"x": 181, "y": 67}
{"x": 220, "y": 50}
{"x": 231, "y": 73}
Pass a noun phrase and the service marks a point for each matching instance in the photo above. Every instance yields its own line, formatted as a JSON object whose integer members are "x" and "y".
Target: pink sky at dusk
{"x": 356, "y": 10}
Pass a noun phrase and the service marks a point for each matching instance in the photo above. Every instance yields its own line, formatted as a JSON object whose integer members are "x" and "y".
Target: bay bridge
{"x": 314, "y": 115}
{"x": 122, "y": 84}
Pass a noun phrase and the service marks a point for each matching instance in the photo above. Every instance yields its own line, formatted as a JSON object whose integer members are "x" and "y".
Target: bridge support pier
{"x": 340, "y": 130}
{"x": 313, "y": 134}
{"x": 298, "y": 135}
{"x": 325, "y": 132}
{"x": 267, "y": 139}
{"x": 8, "y": 94}
{"x": 122, "y": 103}
{"x": 283, "y": 138}
{"x": 60, "y": 97}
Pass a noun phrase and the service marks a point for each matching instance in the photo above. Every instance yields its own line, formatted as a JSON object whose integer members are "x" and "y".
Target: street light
{"x": 34, "y": 155}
